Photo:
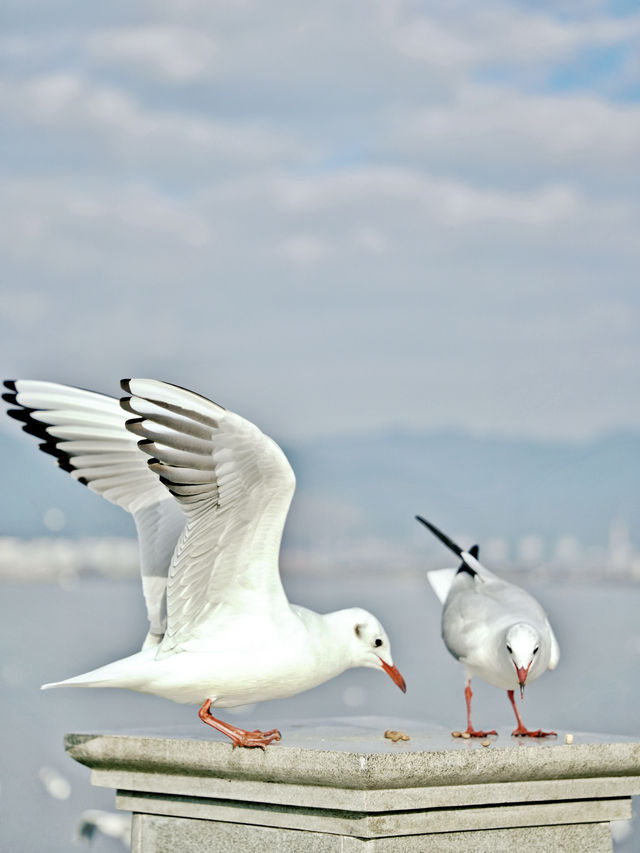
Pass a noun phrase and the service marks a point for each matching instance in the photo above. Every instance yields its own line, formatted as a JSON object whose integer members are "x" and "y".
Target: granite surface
{"x": 353, "y": 753}
{"x": 339, "y": 784}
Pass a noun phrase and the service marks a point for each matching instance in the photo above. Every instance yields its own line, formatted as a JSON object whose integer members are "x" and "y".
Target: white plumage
{"x": 209, "y": 494}
{"x": 496, "y": 629}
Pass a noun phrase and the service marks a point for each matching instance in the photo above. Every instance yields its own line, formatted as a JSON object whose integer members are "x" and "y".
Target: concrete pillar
{"x": 340, "y": 785}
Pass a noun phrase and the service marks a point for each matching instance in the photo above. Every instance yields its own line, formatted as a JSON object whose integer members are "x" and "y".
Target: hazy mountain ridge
{"x": 352, "y": 487}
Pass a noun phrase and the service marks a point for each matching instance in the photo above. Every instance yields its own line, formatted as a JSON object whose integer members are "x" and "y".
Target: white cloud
{"x": 501, "y": 129}
{"x": 409, "y": 199}
{"x": 304, "y": 248}
{"x": 468, "y": 35}
{"x": 69, "y": 104}
{"x": 321, "y": 215}
{"x": 176, "y": 54}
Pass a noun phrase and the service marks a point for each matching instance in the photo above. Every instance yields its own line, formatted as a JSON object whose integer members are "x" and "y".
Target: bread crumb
{"x": 486, "y": 743}
{"x": 456, "y": 734}
{"x": 568, "y": 738}
{"x": 395, "y": 735}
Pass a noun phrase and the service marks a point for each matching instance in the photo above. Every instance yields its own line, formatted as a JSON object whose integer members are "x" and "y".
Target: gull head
{"x": 522, "y": 644}
{"x": 369, "y": 644}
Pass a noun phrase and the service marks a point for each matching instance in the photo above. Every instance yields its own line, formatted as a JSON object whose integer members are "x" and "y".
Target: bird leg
{"x": 521, "y": 731}
{"x": 239, "y": 737}
{"x": 470, "y": 730}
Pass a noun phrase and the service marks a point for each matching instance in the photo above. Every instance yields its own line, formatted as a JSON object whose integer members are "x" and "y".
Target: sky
{"x": 329, "y": 217}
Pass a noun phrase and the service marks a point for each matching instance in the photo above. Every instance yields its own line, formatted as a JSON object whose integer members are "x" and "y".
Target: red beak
{"x": 394, "y": 673}
{"x": 522, "y": 676}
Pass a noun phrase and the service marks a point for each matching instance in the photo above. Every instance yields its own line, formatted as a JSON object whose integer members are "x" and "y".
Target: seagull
{"x": 209, "y": 494}
{"x": 496, "y": 629}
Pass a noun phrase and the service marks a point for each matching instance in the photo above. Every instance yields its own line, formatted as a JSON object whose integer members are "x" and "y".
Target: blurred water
{"x": 48, "y": 632}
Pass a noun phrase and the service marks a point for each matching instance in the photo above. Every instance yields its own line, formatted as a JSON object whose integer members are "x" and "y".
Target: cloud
{"x": 176, "y": 54}
{"x": 108, "y": 119}
{"x": 465, "y": 35}
{"x": 329, "y": 217}
{"x": 496, "y": 130}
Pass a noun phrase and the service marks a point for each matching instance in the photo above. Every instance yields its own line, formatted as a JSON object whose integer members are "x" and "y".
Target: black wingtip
{"x": 144, "y": 442}
{"x": 465, "y": 567}
{"x": 125, "y": 405}
{"x": 10, "y": 384}
{"x": 11, "y": 398}
{"x": 125, "y": 385}
{"x": 21, "y": 415}
{"x": 457, "y": 550}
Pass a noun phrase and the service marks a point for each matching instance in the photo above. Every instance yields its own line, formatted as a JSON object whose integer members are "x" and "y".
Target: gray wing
{"x": 235, "y": 486}
{"x": 87, "y": 434}
{"x": 479, "y": 607}
{"x": 466, "y": 614}
{"x": 554, "y": 656}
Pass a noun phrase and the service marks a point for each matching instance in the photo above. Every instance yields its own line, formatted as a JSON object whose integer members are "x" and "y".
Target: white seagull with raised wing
{"x": 209, "y": 500}
{"x": 496, "y": 629}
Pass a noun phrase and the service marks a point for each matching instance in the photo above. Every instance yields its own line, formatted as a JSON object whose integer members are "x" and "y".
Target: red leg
{"x": 470, "y": 730}
{"x": 239, "y": 737}
{"x": 521, "y": 731}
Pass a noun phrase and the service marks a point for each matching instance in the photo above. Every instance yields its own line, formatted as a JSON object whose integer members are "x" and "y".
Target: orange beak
{"x": 394, "y": 673}
{"x": 522, "y": 676}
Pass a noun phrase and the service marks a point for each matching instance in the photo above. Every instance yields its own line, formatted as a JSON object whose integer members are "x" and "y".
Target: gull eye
{"x": 535, "y": 651}
{"x": 509, "y": 649}
{"x": 378, "y": 642}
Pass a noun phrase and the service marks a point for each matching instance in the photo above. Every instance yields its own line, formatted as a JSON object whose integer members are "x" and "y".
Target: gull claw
{"x": 468, "y": 733}
{"x": 522, "y": 732}
{"x": 256, "y": 738}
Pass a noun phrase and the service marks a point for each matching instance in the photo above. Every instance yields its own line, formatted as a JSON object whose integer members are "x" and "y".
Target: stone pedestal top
{"x": 352, "y": 754}
{"x": 341, "y": 782}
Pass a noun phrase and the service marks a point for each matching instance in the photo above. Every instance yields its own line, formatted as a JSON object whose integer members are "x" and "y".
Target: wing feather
{"x": 86, "y": 433}
{"x": 235, "y": 496}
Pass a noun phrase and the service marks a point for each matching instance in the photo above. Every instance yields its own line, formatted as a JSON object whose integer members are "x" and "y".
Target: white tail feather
{"x": 441, "y": 580}
{"x": 120, "y": 673}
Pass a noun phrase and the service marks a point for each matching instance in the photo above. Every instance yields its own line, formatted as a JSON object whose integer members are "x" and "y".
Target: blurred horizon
{"x": 566, "y": 509}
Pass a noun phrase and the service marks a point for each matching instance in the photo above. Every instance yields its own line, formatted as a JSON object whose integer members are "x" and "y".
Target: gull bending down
{"x": 496, "y": 629}
{"x": 209, "y": 494}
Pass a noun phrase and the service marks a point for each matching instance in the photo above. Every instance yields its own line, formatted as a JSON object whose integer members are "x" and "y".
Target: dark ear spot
{"x": 359, "y": 629}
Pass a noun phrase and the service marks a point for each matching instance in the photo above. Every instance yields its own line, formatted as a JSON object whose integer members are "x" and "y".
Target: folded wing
{"x": 234, "y": 485}
{"x": 86, "y": 433}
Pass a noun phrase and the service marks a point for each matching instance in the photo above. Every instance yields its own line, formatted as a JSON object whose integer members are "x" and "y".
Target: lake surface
{"x": 48, "y": 632}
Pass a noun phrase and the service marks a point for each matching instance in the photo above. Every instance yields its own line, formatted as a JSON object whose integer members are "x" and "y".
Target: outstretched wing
{"x": 86, "y": 433}
{"x": 234, "y": 485}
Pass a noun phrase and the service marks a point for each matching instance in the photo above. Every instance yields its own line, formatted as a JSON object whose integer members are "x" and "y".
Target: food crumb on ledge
{"x": 395, "y": 735}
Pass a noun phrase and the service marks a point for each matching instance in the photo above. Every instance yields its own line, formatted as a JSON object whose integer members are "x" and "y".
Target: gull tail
{"x": 441, "y": 580}
{"x": 127, "y": 672}
{"x": 85, "y": 680}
